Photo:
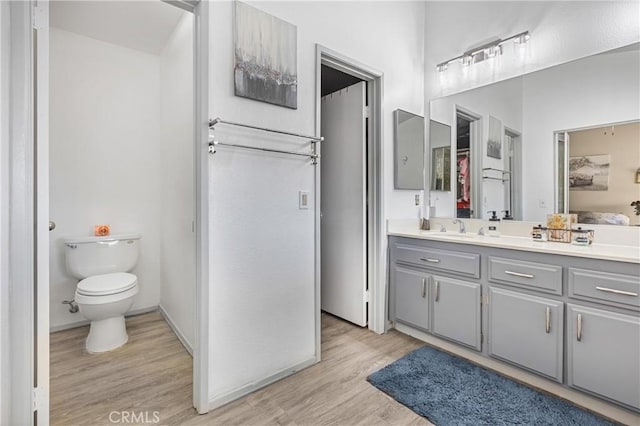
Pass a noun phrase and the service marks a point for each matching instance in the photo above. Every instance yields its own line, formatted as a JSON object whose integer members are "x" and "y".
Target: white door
{"x": 43, "y": 224}
{"x": 343, "y": 204}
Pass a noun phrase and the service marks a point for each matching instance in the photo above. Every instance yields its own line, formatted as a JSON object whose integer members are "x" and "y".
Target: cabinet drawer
{"x": 604, "y": 287}
{"x": 539, "y": 276}
{"x": 467, "y": 264}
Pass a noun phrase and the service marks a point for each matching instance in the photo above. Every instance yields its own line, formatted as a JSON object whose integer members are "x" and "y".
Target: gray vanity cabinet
{"x": 456, "y": 310}
{"x": 411, "y": 298}
{"x": 526, "y": 330}
{"x": 603, "y": 353}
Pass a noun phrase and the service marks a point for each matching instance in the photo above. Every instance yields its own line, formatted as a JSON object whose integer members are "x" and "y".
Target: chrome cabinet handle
{"x": 547, "y": 320}
{"x": 430, "y": 260}
{"x": 424, "y": 287}
{"x": 437, "y": 291}
{"x": 52, "y": 225}
{"x": 579, "y": 335}
{"x": 613, "y": 290}
{"x": 519, "y": 274}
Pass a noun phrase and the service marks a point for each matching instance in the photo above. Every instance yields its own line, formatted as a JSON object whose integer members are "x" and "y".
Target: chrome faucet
{"x": 462, "y": 229}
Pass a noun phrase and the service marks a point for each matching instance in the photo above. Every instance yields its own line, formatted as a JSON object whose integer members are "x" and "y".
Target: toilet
{"x": 106, "y": 289}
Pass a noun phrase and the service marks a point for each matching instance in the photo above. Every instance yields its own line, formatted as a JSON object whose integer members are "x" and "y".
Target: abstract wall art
{"x": 265, "y": 57}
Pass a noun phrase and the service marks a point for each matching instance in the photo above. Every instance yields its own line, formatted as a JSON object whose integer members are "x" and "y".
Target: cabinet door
{"x": 526, "y": 330}
{"x": 411, "y": 297}
{"x": 603, "y": 353}
{"x": 456, "y": 310}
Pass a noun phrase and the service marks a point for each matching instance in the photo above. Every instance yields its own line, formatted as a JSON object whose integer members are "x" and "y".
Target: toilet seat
{"x": 106, "y": 284}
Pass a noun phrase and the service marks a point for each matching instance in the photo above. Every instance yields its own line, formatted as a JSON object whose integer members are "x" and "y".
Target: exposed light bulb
{"x": 522, "y": 38}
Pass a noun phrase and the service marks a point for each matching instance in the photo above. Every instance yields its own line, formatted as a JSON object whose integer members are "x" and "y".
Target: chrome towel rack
{"x": 313, "y": 139}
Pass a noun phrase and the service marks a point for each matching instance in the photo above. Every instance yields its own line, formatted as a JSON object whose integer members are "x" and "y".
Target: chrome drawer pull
{"x": 424, "y": 287}
{"x": 579, "y": 336}
{"x": 437, "y": 291}
{"x": 547, "y": 320}
{"x": 430, "y": 260}
{"x": 613, "y": 290}
{"x": 519, "y": 274}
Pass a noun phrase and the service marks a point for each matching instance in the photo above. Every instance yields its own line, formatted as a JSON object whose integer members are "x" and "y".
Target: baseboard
{"x": 542, "y": 384}
{"x": 219, "y": 401}
{"x": 84, "y": 322}
{"x": 176, "y": 330}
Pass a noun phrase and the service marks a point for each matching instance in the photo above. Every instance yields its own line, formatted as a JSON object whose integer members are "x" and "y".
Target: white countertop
{"x": 595, "y": 251}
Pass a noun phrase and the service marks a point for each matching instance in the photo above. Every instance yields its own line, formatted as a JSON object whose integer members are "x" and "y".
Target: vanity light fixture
{"x": 486, "y": 51}
{"x": 442, "y": 67}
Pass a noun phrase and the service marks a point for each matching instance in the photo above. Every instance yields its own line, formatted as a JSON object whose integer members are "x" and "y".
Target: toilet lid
{"x": 100, "y": 285}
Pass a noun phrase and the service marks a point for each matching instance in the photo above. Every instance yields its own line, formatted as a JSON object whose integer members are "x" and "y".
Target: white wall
{"x": 383, "y": 35}
{"x": 560, "y": 32}
{"x": 4, "y": 215}
{"x": 584, "y": 99}
{"x": 177, "y": 270}
{"x": 104, "y": 158}
{"x": 502, "y": 101}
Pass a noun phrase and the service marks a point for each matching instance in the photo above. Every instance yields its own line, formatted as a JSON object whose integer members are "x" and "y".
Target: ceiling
{"x": 141, "y": 25}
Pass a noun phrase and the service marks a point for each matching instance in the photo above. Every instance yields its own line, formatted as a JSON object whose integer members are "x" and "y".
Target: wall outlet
{"x": 303, "y": 200}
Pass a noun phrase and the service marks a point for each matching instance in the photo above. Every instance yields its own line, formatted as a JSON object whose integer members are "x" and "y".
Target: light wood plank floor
{"x": 153, "y": 372}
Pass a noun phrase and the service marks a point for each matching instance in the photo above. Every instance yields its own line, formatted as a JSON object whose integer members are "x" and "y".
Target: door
{"x": 411, "y": 298}
{"x": 606, "y": 343}
{"x": 456, "y": 311}
{"x": 44, "y": 225}
{"x": 343, "y": 204}
{"x": 526, "y": 330}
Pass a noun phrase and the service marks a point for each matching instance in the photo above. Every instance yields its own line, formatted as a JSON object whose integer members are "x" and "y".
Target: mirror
{"x": 521, "y": 133}
{"x": 409, "y": 150}
{"x": 440, "y": 137}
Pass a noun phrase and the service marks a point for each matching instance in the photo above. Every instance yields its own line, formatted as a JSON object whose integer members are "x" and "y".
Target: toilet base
{"x": 107, "y": 334}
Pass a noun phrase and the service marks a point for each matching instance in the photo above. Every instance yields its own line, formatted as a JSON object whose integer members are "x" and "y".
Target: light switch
{"x": 303, "y": 200}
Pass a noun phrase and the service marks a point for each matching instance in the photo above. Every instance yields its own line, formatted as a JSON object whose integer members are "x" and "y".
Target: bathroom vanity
{"x": 570, "y": 314}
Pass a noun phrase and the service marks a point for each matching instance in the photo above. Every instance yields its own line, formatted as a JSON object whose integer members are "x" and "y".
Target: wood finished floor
{"x": 153, "y": 372}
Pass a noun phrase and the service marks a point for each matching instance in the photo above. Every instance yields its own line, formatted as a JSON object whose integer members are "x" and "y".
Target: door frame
{"x": 27, "y": 332}
{"x": 376, "y": 260}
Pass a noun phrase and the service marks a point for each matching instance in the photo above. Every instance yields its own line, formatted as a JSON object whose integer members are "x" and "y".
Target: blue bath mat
{"x": 448, "y": 390}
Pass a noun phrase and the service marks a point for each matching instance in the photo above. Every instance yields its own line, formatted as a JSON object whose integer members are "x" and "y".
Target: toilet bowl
{"x": 104, "y": 299}
{"x": 106, "y": 290}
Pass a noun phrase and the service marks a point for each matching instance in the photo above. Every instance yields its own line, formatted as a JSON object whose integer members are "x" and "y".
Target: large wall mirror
{"x": 409, "y": 150}
{"x": 563, "y": 139}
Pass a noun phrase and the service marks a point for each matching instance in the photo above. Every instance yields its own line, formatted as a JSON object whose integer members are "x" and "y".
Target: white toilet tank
{"x": 88, "y": 256}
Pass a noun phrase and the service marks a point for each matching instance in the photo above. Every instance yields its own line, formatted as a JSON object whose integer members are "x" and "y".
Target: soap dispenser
{"x": 507, "y": 216}
{"x": 494, "y": 225}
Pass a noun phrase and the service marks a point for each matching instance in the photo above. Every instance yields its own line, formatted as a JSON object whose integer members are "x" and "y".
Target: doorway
{"x": 124, "y": 177}
{"x": 28, "y": 69}
{"x": 467, "y": 160}
{"x": 344, "y": 195}
{"x": 359, "y": 88}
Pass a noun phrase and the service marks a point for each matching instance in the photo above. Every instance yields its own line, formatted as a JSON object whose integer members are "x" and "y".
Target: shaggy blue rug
{"x": 448, "y": 390}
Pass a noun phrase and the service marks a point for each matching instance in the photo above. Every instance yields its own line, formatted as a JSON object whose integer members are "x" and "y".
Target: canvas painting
{"x": 265, "y": 57}
{"x": 589, "y": 173}
{"x": 494, "y": 144}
